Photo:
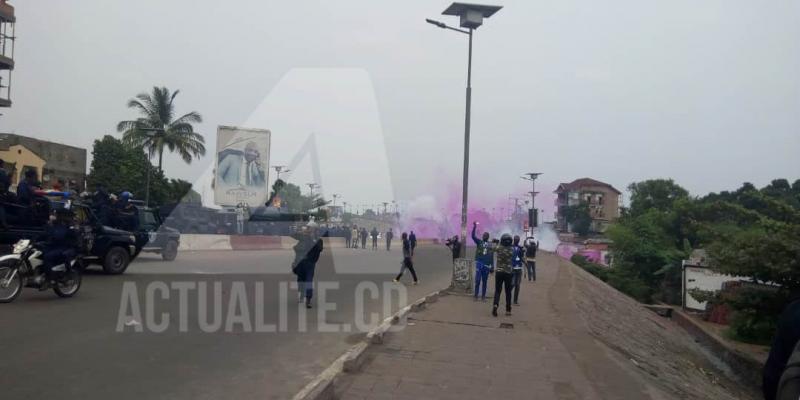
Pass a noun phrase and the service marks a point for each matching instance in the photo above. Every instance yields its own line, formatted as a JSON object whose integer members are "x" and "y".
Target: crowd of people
{"x": 357, "y": 237}
{"x": 509, "y": 260}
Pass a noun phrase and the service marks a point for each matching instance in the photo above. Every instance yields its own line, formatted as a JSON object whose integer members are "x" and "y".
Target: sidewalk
{"x": 455, "y": 349}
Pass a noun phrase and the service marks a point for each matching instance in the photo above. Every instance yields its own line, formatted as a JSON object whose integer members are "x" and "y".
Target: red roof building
{"x": 602, "y": 199}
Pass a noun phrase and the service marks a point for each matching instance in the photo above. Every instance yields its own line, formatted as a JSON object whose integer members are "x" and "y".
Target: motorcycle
{"x": 22, "y": 268}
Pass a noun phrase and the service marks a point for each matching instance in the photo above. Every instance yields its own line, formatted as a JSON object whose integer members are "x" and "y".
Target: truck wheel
{"x": 116, "y": 260}
{"x": 170, "y": 251}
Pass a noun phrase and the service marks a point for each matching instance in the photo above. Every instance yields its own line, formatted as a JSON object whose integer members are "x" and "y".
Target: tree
{"x": 157, "y": 128}
{"x": 292, "y": 198}
{"x": 121, "y": 168}
{"x": 747, "y": 232}
{"x": 578, "y": 217}
{"x": 660, "y": 194}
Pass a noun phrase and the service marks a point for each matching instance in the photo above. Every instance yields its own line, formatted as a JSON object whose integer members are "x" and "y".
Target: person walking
{"x": 503, "y": 272}
{"x": 455, "y": 247}
{"x": 408, "y": 263}
{"x": 484, "y": 260}
{"x": 355, "y": 233}
{"x": 374, "y": 235}
{"x": 347, "y": 233}
{"x": 531, "y": 246}
{"x": 307, "y": 252}
{"x": 412, "y": 240}
{"x": 516, "y": 268}
{"x": 364, "y": 235}
{"x": 389, "y": 237}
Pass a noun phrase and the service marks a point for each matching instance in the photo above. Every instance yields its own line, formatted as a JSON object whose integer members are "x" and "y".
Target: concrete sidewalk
{"x": 455, "y": 349}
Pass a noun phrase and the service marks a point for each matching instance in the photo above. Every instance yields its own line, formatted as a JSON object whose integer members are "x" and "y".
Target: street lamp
{"x": 278, "y": 170}
{"x": 311, "y": 187}
{"x": 531, "y": 176}
{"x": 154, "y": 132}
{"x": 472, "y": 16}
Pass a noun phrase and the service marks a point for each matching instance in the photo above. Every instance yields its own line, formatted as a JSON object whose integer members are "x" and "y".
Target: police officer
{"x": 60, "y": 244}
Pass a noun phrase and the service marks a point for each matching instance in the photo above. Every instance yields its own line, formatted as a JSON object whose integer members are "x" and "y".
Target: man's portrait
{"x": 241, "y": 167}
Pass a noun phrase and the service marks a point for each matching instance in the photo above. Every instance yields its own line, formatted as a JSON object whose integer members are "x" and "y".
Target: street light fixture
{"x": 278, "y": 170}
{"x": 531, "y": 176}
{"x": 311, "y": 187}
{"x": 471, "y": 17}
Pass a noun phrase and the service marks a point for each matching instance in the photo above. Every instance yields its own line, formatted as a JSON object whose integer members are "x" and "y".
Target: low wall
{"x": 205, "y": 242}
{"x": 247, "y": 242}
{"x": 744, "y": 366}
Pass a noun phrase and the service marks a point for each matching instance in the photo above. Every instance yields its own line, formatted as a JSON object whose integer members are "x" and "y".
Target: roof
{"x": 583, "y": 182}
{"x": 9, "y": 139}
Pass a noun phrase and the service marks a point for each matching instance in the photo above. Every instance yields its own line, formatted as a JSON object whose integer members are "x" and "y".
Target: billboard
{"x": 242, "y": 166}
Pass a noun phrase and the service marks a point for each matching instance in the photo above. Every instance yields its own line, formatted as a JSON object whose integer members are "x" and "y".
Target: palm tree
{"x": 157, "y": 129}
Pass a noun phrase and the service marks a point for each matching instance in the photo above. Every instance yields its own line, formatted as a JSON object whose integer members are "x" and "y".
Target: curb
{"x": 322, "y": 386}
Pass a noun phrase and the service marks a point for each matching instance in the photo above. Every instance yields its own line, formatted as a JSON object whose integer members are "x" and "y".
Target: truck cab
{"x": 104, "y": 245}
{"x": 153, "y": 237}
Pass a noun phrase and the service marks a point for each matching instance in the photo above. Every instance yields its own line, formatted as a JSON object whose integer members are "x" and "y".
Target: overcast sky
{"x": 705, "y": 92}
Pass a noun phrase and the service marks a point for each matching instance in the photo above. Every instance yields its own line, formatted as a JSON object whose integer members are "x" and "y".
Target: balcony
{"x": 6, "y": 62}
{"x": 6, "y": 12}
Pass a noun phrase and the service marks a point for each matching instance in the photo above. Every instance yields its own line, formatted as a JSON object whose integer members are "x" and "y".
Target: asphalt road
{"x": 210, "y": 325}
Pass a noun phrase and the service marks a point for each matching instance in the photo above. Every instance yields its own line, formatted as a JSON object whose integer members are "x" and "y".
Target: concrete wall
{"x": 61, "y": 161}
{"x": 705, "y": 279}
{"x": 191, "y": 242}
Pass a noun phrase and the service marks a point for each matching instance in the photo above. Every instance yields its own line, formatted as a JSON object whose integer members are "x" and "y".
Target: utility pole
{"x": 278, "y": 170}
{"x": 533, "y": 213}
{"x": 311, "y": 187}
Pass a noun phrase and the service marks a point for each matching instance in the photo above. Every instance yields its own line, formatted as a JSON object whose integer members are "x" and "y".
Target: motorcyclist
{"x": 60, "y": 244}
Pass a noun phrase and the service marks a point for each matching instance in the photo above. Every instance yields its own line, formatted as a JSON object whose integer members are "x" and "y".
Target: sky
{"x": 706, "y": 93}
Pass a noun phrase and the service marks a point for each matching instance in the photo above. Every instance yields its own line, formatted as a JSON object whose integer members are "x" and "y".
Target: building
{"x": 602, "y": 199}
{"x": 7, "y": 22}
{"x": 51, "y": 161}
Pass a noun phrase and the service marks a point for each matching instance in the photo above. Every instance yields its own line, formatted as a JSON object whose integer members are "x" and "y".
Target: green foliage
{"x": 620, "y": 279}
{"x": 659, "y": 194}
{"x": 747, "y": 232}
{"x": 578, "y": 217}
{"x": 157, "y": 128}
{"x": 293, "y": 199}
{"x": 121, "y": 168}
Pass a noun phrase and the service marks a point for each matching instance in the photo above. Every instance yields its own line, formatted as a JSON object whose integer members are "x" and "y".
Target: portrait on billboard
{"x": 242, "y": 166}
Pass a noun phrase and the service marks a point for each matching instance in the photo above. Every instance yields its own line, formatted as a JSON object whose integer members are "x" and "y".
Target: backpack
{"x": 789, "y": 386}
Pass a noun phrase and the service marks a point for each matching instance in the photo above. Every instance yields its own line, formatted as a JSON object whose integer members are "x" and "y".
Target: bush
{"x": 632, "y": 286}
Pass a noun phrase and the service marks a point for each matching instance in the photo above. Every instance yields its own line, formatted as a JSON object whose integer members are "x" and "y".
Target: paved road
{"x": 72, "y": 348}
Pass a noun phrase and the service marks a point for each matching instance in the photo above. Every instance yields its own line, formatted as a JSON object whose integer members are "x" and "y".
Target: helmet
{"x": 126, "y": 195}
{"x": 506, "y": 240}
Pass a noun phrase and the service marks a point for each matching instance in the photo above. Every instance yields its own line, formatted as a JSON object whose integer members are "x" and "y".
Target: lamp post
{"x": 531, "y": 176}
{"x": 311, "y": 187}
{"x": 278, "y": 170}
{"x": 471, "y": 17}
{"x": 153, "y": 132}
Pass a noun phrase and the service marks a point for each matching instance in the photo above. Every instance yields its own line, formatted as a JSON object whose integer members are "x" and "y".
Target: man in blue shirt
{"x": 484, "y": 261}
{"x": 516, "y": 267}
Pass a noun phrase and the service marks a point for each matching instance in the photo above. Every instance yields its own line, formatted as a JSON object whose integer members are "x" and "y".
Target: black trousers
{"x": 502, "y": 280}
{"x": 407, "y": 264}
